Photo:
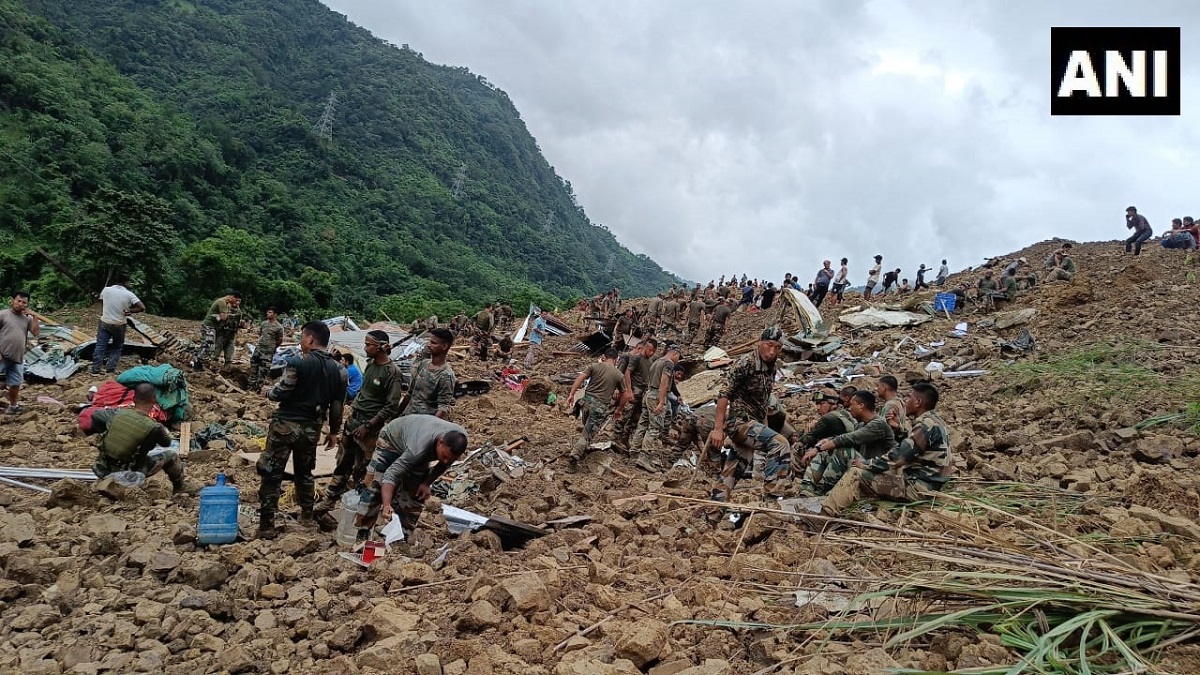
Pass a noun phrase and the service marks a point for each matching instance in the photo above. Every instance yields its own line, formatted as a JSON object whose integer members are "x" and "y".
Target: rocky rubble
{"x": 111, "y": 580}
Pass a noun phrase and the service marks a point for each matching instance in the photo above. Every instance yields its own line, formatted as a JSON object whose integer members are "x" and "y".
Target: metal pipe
{"x": 50, "y": 474}
{"x": 27, "y": 486}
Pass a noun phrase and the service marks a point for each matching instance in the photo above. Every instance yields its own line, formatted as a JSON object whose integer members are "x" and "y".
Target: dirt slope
{"x": 95, "y": 585}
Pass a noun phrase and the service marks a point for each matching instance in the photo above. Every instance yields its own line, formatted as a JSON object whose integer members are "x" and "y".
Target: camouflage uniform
{"x": 694, "y": 310}
{"x": 484, "y": 323}
{"x": 716, "y": 330}
{"x": 1064, "y": 271}
{"x": 594, "y": 414}
{"x": 652, "y": 426}
{"x": 919, "y": 464}
{"x": 596, "y": 403}
{"x": 873, "y": 439}
{"x": 747, "y": 386}
{"x": 896, "y": 404}
{"x": 831, "y": 424}
{"x": 129, "y": 444}
{"x": 270, "y": 337}
{"x": 377, "y": 403}
{"x": 313, "y": 386}
{"x": 431, "y": 390}
{"x": 638, "y": 368}
{"x": 694, "y": 428}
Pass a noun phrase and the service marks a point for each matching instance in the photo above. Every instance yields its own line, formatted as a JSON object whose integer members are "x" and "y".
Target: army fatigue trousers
{"x": 287, "y": 438}
{"x": 651, "y": 427}
{"x": 630, "y": 418}
{"x": 223, "y": 344}
{"x": 859, "y": 483}
{"x": 351, "y": 461}
{"x": 594, "y": 415}
{"x": 1059, "y": 274}
{"x": 260, "y": 369}
{"x": 404, "y": 500}
{"x": 159, "y": 459}
{"x": 689, "y": 335}
{"x": 757, "y": 446}
{"x": 716, "y": 331}
{"x": 826, "y": 469}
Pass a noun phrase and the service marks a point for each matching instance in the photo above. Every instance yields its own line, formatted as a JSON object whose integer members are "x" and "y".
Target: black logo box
{"x": 1097, "y": 41}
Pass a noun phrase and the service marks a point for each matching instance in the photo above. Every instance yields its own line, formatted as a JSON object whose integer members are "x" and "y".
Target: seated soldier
{"x": 920, "y": 464}
{"x": 986, "y": 288}
{"x": 132, "y": 441}
{"x": 1064, "y": 265}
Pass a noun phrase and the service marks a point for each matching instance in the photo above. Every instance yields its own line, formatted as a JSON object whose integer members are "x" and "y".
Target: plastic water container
{"x": 347, "y": 532}
{"x": 944, "y": 302}
{"x": 218, "y": 513}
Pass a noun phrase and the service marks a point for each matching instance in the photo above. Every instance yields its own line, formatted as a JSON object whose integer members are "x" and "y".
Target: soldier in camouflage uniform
{"x": 891, "y": 406}
{"x": 270, "y": 336}
{"x": 485, "y": 321}
{"x": 604, "y": 381}
{"x": 834, "y": 420}
{"x": 920, "y": 464}
{"x": 695, "y": 310}
{"x": 313, "y": 387}
{"x": 694, "y": 427}
{"x": 432, "y": 381}
{"x": 377, "y": 403}
{"x": 1063, "y": 266}
{"x": 218, "y": 331}
{"x": 636, "y": 365}
{"x": 872, "y": 437}
{"x": 652, "y": 426}
{"x": 741, "y": 416}
{"x": 716, "y": 329}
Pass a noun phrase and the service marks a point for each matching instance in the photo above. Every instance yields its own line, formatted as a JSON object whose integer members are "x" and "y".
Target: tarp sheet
{"x": 873, "y": 317}
{"x": 810, "y": 316}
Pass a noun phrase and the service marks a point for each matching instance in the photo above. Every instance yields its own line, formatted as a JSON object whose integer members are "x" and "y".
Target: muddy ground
{"x": 93, "y": 584}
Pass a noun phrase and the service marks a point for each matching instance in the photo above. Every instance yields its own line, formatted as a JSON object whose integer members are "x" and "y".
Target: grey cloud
{"x": 764, "y": 137}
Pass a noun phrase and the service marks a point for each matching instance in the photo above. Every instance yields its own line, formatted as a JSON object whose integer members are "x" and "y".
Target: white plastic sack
{"x": 393, "y": 531}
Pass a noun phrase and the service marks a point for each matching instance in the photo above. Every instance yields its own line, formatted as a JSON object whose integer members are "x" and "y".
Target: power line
{"x": 324, "y": 126}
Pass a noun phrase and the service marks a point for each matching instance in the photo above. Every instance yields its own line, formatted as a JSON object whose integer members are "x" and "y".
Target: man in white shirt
{"x": 119, "y": 303}
{"x": 943, "y": 272}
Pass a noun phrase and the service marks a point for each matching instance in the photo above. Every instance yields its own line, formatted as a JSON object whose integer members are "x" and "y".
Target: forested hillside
{"x": 176, "y": 140}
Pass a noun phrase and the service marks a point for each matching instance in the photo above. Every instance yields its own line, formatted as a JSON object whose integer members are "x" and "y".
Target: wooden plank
{"x": 185, "y": 438}
{"x": 326, "y": 461}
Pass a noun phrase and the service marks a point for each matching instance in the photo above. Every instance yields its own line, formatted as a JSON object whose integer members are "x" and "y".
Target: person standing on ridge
{"x": 15, "y": 323}
{"x": 873, "y": 278}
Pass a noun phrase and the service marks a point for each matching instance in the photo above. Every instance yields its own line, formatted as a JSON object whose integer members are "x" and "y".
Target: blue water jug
{"x": 218, "y": 513}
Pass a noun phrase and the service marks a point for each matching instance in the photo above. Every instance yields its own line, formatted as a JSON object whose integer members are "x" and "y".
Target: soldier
{"x": 694, "y": 428}
{"x": 834, "y": 420}
{"x": 313, "y": 386}
{"x": 484, "y": 323}
{"x": 219, "y": 328}
{"x": 133, "y": 441}
{"x": 604, "y": 382}
{"x": 431, "y": 322}
{"x": 920, "y": 463}
{"x": 654, "y": 311}
{"x": 670, "y": 318}
{"x": 636, "y": 366}
{"x": 872, "y": 438}
{"x": 694, "y": 310}
{"x": 270, "y": 336}
{"x": 985, "y": 287}
{"x": 890, "y": 403}
{"x": 376, "y": 404}
{"x": 716, "y": 328}
{"x": 417, "y": 327}
{"x": 652, "y": 424}
{"x": 622, "y": 327}
{"x": 402, "y": 469}
{"x": 432, "y": 381}
{"x": 1063, "y": 268}
{"x": 741, "y": 416}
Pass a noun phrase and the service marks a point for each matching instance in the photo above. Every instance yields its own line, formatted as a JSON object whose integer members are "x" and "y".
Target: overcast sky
{"x": 766, "y": 135}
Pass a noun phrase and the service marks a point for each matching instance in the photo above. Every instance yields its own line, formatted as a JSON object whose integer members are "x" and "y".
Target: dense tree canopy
{"x": 174, "y": 140}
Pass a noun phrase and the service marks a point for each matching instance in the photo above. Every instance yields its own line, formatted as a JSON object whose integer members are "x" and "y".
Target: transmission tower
{"x": 548, "y": 221}
{"x": 324, "y": 126}
{"x": 612, "y": 259}
{"x": 459, "y": 179}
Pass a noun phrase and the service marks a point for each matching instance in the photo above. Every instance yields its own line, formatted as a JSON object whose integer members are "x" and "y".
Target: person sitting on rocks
{"x": 1064, "y": 265}
{"x": 1184, "y": 234}
{"x": 132, "y": 441}
{"x": 873, "y": 438}
{"x": 986, "y": 287}
{"x": 402, "y": 469}
{"x": 834, "y": 420}
{"x": 919, "y": 464}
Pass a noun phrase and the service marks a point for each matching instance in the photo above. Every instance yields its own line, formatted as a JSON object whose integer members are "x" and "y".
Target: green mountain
{"x": 179, "y": 141}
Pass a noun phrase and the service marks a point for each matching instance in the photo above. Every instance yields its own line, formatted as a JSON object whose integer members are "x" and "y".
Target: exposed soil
{"x": 96, "y": 585}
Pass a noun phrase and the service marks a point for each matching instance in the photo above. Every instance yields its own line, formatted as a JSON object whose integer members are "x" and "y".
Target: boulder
{"x": 480, "y": 616}
{"x": 643, "y": 641}
{"x": 17, "y": 528}
{"x": 526, "y": 593}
